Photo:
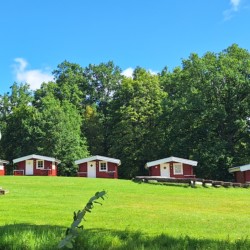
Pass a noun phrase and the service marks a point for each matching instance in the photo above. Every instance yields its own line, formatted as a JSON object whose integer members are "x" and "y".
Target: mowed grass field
{"x": 37, "y": 210}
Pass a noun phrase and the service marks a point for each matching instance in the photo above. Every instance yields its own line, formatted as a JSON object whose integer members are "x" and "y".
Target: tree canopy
{"x": 198, "y": 111}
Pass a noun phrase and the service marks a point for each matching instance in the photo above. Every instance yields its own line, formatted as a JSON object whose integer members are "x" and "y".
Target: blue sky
{"x": 38, "y": 35}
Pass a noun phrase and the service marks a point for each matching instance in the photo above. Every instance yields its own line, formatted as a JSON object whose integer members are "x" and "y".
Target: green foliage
{"x": 208, "y": 106}
{"x": 18, "y": 122}
{"x": 60, "y": 126}
{"x": 93, "y": 128}
{"x": 136, "y": 135}
{"x": 70, "y": 84}
{"x": 103, "y": 82}
{"x": 72, "y": 231}
{"x": 198, "y": 111}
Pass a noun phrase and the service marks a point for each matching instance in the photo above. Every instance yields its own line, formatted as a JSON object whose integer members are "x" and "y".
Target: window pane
{"x": 178, "y": 169}
{"x": 103, "y": 166}
{"x": 39, "y": 164}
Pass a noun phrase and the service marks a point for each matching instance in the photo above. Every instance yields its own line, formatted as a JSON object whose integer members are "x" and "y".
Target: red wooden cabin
{"x": 241, "y": 173}
{"x": 36, "y": 165}
{"x": 2, "y": 166}
{"x": 98, "y": 167}
{"x": 172, "y": 167}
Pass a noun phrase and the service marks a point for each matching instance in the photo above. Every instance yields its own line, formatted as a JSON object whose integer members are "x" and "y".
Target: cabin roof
{"x": 239, "y": 168}
{"x": 170, "y": 159}
{"x": 3, "y": 161}
{"x": 98, "y": 158}
{"x": 38, "y": 157}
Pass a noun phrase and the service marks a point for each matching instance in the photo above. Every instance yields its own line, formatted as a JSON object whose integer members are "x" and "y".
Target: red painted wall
{"x": 242, "y": 177}
{"x": 2, "y": 172}
{"x": 247, "y": 176}
{"x": 112, "y": 170}
{"x": 155, "y": 171}
{"x": 47, "y": 171}
{"x": 187, "y": 171}
{"x": 82, "y": 170}
{"x": 20, "y": 166}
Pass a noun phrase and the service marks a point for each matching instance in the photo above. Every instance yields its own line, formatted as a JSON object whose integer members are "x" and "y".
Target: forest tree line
{"x": 199, "y": 111}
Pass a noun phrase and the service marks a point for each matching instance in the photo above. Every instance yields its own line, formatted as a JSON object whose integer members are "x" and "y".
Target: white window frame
{"x": 177, "y": 165}
{"x": 37, "y": 164}
{"x": 102, "y": 170}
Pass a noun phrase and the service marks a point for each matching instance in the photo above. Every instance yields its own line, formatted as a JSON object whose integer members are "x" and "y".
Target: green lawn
{"x": 37, "y": 210}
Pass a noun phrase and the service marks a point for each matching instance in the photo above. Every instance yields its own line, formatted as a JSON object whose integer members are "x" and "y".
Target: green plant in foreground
{"x": 72, "y": 231}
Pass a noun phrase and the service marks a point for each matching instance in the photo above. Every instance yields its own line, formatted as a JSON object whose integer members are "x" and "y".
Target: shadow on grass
{"x": 100, "y": 239}
{"x": 45, "y": 237}
{"x": 170, "y": 184}
{"x": 28, "y": 236}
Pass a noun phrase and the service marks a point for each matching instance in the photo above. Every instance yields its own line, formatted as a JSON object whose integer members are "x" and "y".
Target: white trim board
{"x": 38, "y": 157}
{"x": 171, "y": 159}
{"x": 98, "y": 158}
{"x": 240, "y": 168}
{"x": 5, "y": 162}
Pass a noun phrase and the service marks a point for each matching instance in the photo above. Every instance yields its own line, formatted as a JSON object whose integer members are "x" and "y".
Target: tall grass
{"x": 23, "y": 236}
{"x": 36, "y": 212}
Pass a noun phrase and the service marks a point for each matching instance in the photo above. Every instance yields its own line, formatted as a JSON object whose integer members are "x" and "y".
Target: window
{"x": 178, "y": 168}
{"x": 103, "y": 166}
{"x": 39, "y": 164}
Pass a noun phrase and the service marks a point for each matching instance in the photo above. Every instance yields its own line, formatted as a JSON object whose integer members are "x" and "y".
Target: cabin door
{"x": 91, "y": 169}
{"x": 29, "y": 167}
{"x": 165, "y": 170}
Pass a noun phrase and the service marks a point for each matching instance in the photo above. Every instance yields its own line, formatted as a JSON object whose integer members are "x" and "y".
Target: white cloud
{"x": 152, "y": 72}
{"x": 33, "y": 77}
{"x": 228, "y": 14}
{"x": 235, "y": 4}
{"x": 129, "y": 72}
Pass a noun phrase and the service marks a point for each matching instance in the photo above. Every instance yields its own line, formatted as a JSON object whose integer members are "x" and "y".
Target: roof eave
{"x": 232, "y": 170}
{"x": 171, "y": 159}
{"x": 99, "y": 158}
{"x": 239, "y": 168}
{"x": 34, "y": 156}
{"x": 5, "y": 162}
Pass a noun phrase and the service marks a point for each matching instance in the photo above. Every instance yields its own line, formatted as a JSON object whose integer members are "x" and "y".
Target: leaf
{"x": 98, "y": 202}
{"x": 75, "y": 216}
{"x": 69, "y": 245}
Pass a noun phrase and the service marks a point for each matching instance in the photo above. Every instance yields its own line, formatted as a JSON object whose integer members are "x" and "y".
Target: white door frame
{"x": 29, "y": 169}
{"x": 165, "y": 170}
{"x": 91, "y": 169}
